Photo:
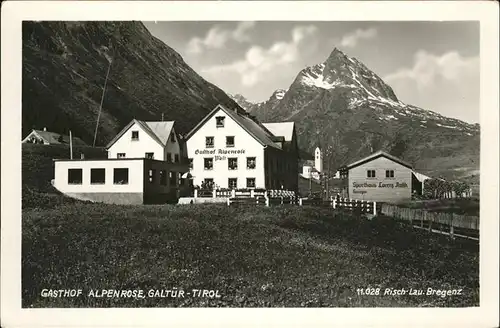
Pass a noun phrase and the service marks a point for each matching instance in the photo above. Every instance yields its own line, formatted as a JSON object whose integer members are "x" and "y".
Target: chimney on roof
{"x": 44, "y": 129}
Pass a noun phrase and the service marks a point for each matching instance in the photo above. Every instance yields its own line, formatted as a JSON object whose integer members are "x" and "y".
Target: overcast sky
{"x": 433, "y": 65}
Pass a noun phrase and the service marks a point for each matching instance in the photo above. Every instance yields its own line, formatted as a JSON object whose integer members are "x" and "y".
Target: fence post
{"x": 267, "y": 201}
{"x": 422, "y": 218}
{"x": 430, "y": 221}
{"x": 300, "y": 201}
{"x": 451, "y": 227}
{"x": 334, "y": 202}
{"x": 281, "y": 200}
{"x": 252, "y": 193}
{"x": 233, "y": 193}
{"x": 374, "y": 208}
{"x": 228, "y": 202}
{"x": 214, "y": 193}
{"x": 196, "y": 193}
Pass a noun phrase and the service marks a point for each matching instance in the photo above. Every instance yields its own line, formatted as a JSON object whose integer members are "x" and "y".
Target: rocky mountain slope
{"x": 343, "y": 105}
{"x": 261, "y": 107}
{"x": 64, "y": 70}
{"x": 242, "y": 101}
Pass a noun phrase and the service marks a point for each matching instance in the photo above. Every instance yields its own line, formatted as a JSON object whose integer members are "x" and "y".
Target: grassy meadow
{"x": 254, "y": 256}
{"x": 283, "y": 256}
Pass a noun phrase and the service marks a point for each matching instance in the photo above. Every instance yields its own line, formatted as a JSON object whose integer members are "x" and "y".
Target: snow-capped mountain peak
{"x": 341, "y": 76}
{"x": 342, "y": 71}
{"x": 280, "y": 93}
{"x": 313, "y": 77}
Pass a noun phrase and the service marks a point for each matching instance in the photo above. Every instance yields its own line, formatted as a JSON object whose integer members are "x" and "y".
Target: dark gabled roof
{"x": 376, "y": 155}
{"x": 158, "y": 130}
{"x": 56, "y": 138}
{"x": 281, "y": 129}
{"x": 252, "y": 127}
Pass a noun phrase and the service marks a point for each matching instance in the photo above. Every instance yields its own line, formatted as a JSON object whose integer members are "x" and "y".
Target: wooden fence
{"x": 314, "y": 202}
{"x": 259, "y": 197}
{"x": 242, "y": 193}
{"x": 448, "y": 223}
{"x": 363, "y": 206}
{"x": 202, "y": 193}
{"x": 248, "y": 201}
{"x": 285, "y": 197}
{"x": 280, "y": 193}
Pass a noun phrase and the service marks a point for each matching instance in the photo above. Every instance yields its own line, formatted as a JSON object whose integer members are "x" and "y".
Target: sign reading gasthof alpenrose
{"x": 219, "y": 152}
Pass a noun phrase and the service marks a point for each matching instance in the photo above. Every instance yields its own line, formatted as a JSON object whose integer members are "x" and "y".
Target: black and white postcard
{"x": 288, "y": 163}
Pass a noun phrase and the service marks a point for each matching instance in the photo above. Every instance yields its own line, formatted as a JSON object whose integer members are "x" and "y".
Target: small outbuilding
{"x": 45, "y": 137}
{"x": 378, "y": 177}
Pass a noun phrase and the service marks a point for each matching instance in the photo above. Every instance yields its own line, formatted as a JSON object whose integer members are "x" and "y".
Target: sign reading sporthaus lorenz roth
{"x": 360, "y": 187}
{"x": 380, "y": 185}
{"x": 219, "y": 153}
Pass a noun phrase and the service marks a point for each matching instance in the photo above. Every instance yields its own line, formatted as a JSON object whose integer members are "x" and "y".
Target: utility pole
{"x": 102, "y": 99}
{"x": 310, "y": 184}
{"x": 327, "y": 184}
{"x": 70, "y": 145}
{"x": 329, "y": 151}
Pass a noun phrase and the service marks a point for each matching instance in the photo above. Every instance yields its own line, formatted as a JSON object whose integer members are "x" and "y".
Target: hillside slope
{"x": 342, "y": 104}
{"x": 37, "y": 169}
{"x": 64, "y": 70}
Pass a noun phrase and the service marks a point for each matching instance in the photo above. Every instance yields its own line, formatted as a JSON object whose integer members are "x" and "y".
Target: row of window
{"x": 135, "y": 136}
{"x": 232, "y": 183}
{"x": 170, "y": 158}
{"x": 98, "y": 176}
{"x": 232, "y": 163}
{"x": 210, "y": 142}
{"x": 120, "y": 176}
{"x": 372, "y": 174}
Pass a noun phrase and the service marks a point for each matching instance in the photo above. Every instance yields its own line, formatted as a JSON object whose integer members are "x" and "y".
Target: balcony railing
{"x": 242, "y": 193}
